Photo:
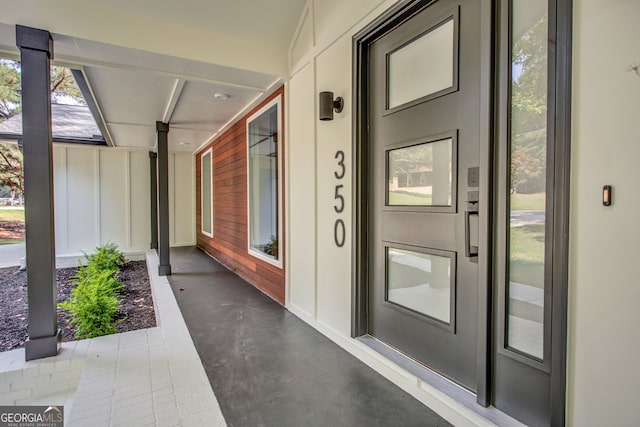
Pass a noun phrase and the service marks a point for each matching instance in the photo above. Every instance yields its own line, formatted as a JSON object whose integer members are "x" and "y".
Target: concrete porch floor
{"x": 269, "y": 368}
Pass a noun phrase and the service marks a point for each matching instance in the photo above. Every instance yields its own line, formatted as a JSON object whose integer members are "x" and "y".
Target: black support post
{"x": 164, "y": 269}
{"x": 153, "y": 168}
{"x": 36, "y": 52}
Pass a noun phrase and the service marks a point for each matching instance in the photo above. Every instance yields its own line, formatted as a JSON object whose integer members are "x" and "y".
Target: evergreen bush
{"x": 94, "y": 301}
{"x": 107, "y": 257}
{"x": 86, "y": 272}
{"x": 93, "y": 305}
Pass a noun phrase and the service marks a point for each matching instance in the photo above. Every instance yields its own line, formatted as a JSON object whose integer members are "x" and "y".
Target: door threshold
{"x": 439, "y": 382}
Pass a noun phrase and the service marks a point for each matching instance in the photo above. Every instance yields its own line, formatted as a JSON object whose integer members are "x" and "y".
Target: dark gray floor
{"x": 269, "y": 368}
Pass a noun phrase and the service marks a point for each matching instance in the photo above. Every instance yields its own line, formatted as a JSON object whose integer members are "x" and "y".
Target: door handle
{"x": 473, "y": 207}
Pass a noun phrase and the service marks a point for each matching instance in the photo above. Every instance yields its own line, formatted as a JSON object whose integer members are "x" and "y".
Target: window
{"x": 206, "y": 188}
{"x": 263, "y": 183}
{"x": 527, "y": 177}
{"x": 421, "y": 174}
{"x": 423, "y": 67}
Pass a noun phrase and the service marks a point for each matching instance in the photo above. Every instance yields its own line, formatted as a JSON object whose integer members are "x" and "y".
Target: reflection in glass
{"x": 528, "y": 141}
{"x": 422, "y": 67}
{"x": 207, "y": 215}
{"x": 420, "y": 282}
{"x": 263, "y": 182}
{"x": 420, "y": 175}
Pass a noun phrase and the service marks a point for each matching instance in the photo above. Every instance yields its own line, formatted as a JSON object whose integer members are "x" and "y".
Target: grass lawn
{"x": 11, "y": 226}
{"x": 11, "y": 215}
{"x": 403, "y": 198}
{"x": 527, "y": 242}
{"x": 527, "y": 254}
{"x": 10, "y": 241}
{"x": 527, "y": 202}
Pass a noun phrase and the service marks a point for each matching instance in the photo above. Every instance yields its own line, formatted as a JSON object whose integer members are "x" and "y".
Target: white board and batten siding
{"x": 102, "y": 194}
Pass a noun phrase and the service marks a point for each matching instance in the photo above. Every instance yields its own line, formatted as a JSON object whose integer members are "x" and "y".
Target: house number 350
{"x": 339, "y": 233}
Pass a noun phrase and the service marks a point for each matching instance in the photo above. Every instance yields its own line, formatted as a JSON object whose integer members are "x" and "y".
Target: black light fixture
{"x": 328, "y": 105}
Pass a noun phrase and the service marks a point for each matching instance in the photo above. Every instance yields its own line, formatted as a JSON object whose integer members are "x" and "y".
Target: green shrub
{"x": 94, "y": 301}
{"x": 93, "y": 305}
{"x": 271, "y": 248}
{"x": 107, "y": 257}
{"x": 86, "y": 272}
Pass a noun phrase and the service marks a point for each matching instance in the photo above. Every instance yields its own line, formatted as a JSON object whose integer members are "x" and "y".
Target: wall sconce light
{"x": 328, "y": 105}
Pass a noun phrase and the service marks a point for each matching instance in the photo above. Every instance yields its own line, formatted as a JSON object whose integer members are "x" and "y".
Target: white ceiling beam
{"x": 70, "y": 61}
{"x": 145, "y": 125}
{"x": 173, "y": 100}
{"x": 75, "y": 62}
{"x": 198, "y": 129}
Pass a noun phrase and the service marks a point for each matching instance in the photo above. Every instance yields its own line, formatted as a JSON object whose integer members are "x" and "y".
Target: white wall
{"x": 604, "y": 292}
{"x": 102, "y": 195}
{"x": 604, "y": 289}
{"x": 182, "y": 199}
{"x": 320, "y": 272}
{"x": 301, "y": 180}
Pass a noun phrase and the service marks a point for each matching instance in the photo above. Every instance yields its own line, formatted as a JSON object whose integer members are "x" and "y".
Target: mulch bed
{"x": 136, "y": 307}
{"x": 13, "y": 230}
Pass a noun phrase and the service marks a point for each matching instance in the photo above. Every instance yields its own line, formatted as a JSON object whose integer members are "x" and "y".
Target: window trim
{"x": 277, "y": 262}
{"x": 202, "y": 156}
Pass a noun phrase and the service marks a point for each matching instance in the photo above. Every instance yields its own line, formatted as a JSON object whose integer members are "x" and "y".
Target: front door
{"x": 425, "y": 138}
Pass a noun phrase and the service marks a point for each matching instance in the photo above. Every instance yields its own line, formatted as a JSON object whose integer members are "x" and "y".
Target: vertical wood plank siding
{"x": 230, "y": 241}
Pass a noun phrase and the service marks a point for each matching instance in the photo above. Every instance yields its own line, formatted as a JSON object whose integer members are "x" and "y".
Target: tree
{"x": 63, "y": 89}
{"x": 63, "y": 85}
{"x": 10, "y": 90}
{"x": 529, "y": 109}
{"x": 11, "y": 169}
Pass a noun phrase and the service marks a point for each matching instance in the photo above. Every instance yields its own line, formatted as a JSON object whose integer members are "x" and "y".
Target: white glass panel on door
{"x": 420, "y": 175}
{"x": 420, "y": 282}
{"x": 423, "y": 67}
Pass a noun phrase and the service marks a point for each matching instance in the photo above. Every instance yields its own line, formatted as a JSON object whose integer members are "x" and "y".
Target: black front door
{"x": 462, "y": 183}
{"x": 424, "y": 145}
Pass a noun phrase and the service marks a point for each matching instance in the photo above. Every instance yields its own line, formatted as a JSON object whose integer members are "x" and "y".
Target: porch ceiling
{"x": 135, "y": 88}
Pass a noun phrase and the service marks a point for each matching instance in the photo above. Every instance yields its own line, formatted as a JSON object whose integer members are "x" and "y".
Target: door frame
{"x": 360, "y": 279}
{"x": 561, "y": 12}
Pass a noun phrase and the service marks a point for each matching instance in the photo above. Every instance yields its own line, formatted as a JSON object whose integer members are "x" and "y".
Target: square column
{"x": 153, "y": 179}
{"x": 36, "y": 51}
{"x": 164, "y": 269}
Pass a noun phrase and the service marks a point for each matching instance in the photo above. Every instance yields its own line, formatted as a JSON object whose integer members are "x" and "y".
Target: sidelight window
{"x": 527, "y": 192}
